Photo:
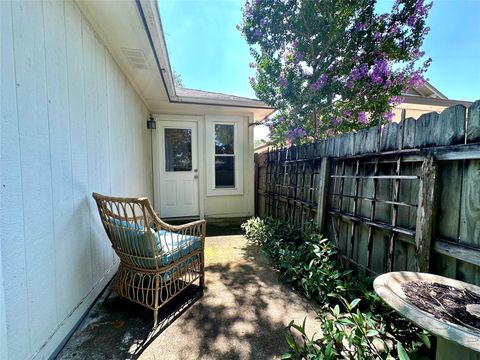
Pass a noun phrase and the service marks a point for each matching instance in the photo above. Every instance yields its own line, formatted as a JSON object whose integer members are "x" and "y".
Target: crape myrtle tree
{"x": 333, "y": 66}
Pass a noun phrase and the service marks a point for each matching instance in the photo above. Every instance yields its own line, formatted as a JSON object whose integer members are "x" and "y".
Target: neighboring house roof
{"x": 427, "y": 90}
{"x": 428, "y": 95}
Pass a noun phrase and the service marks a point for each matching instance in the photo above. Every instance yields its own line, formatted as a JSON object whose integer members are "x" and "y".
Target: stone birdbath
{"x": 447, "y": 308}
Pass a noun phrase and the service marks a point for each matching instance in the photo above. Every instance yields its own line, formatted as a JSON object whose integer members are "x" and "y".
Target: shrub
{"x": 356, "y": 324}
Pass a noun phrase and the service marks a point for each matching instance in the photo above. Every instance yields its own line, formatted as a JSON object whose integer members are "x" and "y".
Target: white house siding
{"x": 70, "y": 124}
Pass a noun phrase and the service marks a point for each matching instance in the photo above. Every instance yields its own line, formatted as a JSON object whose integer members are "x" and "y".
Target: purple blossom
{"x": 393, "y": 29}
{"x": 377, "y": 35}
{"x": 257, "y": 33}
{"x": 360, "y": 26}
{"x": 422, "y": 10}
{"x": 362, "y": 117}
{"x": 336, "y": 122}
{"x": 297, "y": 132}
{"x": 319, "y": 83}
{"x": 238, "y": 27}
{"x": 395, "y": 100}
{"x": 263, "y": 22}
{"x": 300, "y": 132}
{"x": 388, "y": 84}
{"x": 416, "y": 53}
{"x": 380, "y": 70}
{"x": 416, "y": 80}
{"x": 252, "y": 65}
{"x": 282, "y": 82}
{"x": 299, "y": 56}
{"x": 270, "y": 127}
{"x": 329, "y": 132}
{"x": 388, "y": 116}
{"x": 358, "y": 72}
{"x": 376, "y": 79}
{"x": 280, "y": 118}
{"x": 347, "y": 113}
{"x": 251, "y": 80}
{"x": 411, "y": 20}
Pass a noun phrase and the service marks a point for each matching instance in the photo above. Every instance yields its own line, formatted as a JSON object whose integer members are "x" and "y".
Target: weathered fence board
{"x": 424, "y": 233}
{"x": 473, "y": 123}
{"x": 405, "y": 196}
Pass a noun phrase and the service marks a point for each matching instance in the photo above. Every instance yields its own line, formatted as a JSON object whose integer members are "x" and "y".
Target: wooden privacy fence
{"x": 403, "y": 196}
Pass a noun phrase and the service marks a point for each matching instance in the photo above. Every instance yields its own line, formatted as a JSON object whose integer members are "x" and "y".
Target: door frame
{"x": 156, "y": 136}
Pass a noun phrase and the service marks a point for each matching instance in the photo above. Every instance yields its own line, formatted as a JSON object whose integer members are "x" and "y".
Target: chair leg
{"x": 202, "y": 279}
{"x": 156, "y": 302}
{"x": 202, "y": 271}
{"x": 155, "y": 318}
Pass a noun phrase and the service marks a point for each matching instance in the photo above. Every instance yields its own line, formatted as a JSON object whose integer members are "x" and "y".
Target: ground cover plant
{"x": 356, "y": 324}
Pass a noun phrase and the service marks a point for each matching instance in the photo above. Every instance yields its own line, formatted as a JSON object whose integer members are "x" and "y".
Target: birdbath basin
{"x": 447, "y": 308}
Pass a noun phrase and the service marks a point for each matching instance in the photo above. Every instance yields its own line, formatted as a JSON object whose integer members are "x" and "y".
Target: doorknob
{"x": 195, "y": 176}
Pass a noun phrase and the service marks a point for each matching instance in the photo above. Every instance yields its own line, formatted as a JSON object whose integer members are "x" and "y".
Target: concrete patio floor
{"x": 242, "y": 314}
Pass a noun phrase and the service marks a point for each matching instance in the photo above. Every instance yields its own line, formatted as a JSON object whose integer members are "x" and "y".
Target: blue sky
{"x": 210, "y": 54}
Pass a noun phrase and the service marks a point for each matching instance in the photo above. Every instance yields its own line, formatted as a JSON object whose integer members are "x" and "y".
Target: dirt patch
{"x": 445, "y": 302}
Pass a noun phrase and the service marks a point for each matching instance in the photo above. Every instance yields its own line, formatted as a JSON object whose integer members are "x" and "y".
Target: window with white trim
{"x": 224, "y": 155}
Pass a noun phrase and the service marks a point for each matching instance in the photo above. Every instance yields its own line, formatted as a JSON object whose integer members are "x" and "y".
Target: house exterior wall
{"x": 70, "y": 124}
{"x": 415, "y": 110}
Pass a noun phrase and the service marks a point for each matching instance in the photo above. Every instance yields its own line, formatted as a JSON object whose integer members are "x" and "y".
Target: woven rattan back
{"x": 130, "y": 226}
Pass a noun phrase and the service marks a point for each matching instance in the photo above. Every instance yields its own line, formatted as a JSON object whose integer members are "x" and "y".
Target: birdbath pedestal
{"x": 456, "y": 339}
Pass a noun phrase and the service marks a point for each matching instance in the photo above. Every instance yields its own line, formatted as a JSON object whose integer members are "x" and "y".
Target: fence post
{"x": 425, "y": 227}
{"x": 255, "y": 184}
{"x": 322, "y": 193}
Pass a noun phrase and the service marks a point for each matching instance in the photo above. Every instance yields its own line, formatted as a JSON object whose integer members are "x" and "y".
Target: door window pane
{"x": 224, "y": 171}
{"x": 224, "y": 139}
{"x": 178, "y": 149}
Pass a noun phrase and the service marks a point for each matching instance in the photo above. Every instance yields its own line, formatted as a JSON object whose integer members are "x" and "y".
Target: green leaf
{"x": 286, "y": 356}
{"x": 372, "y": 332}
{"x": 425, "y": 339}
{"x": 290, "y": 341}
{"x": 402, "y": 353}
{"x": 354, "y": 303}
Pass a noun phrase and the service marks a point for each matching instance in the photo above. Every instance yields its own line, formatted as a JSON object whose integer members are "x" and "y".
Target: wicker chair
{"x": 157, "y": 260}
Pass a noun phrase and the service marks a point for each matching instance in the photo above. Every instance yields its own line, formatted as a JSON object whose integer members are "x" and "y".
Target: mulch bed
{"x": 445, "y": 302}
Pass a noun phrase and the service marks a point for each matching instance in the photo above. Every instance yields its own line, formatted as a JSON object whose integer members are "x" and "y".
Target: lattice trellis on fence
{"x": 405, "y": 196}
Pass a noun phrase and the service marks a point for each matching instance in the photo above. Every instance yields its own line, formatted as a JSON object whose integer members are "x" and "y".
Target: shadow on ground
{"x": 242, "y": 315}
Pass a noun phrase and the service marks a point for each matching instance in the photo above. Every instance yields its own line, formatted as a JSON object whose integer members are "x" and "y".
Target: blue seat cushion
{"x": 171, "y": 245}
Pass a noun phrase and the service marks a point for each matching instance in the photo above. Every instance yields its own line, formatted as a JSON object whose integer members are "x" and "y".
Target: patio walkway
{"x": 241, "y": 315}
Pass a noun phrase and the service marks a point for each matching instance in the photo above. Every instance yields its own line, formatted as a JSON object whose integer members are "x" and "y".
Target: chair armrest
{"x": 170, "y": 227}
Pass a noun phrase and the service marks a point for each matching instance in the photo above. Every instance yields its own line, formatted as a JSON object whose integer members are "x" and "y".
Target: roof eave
{"x": 153, "y": 26}
{"x": 221, "y": 102}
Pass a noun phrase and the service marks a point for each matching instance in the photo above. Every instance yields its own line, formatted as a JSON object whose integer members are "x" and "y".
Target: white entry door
{"x": 178, "y": 169}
